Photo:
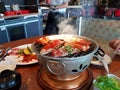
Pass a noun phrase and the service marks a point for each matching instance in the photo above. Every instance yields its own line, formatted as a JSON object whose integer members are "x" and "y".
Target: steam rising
{"x": 68, "y": 26}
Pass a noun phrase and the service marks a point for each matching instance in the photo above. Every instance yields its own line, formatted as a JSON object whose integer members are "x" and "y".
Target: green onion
{"x": 69, "y": 49}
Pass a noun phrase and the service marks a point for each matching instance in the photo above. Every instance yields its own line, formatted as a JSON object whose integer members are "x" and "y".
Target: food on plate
{"x": 24, "y": 55}
{"x": 72, "y": 47}
{"x": 107, "y": 83}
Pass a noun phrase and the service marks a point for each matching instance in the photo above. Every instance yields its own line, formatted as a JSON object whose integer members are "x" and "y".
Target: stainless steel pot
{"x": 67, "y": 68}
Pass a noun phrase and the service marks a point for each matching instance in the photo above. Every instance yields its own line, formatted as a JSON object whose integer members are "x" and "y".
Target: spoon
{"x": 6, "y": 53}
{"x": 105, "y": 66}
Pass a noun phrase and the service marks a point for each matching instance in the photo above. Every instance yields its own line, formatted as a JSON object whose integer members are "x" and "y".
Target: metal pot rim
{"x": 67, "y": 58}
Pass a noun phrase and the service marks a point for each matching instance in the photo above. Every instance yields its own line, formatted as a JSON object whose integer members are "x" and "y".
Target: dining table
{"x": 29, "y": 72}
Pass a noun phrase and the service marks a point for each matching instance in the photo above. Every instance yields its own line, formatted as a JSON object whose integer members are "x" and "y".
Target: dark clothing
{"x": 52, "y": 22}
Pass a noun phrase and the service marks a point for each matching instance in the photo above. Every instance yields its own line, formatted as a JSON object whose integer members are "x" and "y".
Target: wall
{"x": 100, "y": 30}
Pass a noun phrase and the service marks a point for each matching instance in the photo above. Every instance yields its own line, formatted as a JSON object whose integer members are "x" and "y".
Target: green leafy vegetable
{"x": 29, "y": 49}
{"x": 25, "y": 51}
{"x": 20, "y": 51}
{"x": 107, "y": 83}
{"x": 69, "y": 49}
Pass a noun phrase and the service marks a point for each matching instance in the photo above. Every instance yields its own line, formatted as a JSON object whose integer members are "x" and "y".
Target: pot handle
{"x": 100, "y": 52}
{"x": 55, "y": 67}
{"x": 100, "y": 55}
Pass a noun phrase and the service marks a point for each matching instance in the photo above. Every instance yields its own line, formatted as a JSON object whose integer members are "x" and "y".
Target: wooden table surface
{"x": 29, "y": 72}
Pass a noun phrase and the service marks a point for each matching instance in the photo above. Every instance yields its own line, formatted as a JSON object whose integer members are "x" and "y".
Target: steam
{"x": 68, "y": 26}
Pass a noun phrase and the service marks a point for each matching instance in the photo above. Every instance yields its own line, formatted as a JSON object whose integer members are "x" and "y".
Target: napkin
{"x": 7, "y": 64}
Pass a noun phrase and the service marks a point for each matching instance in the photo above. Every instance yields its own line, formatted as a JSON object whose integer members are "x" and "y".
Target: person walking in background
{"x": 115, "y": 44}
{"x": 56, "y": 5}
{"x": 55, "y": 16}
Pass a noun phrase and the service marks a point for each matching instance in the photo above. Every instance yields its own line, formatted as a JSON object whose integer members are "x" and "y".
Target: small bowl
{"x": 10, "y": 80}
{"x": 109, "y": 75}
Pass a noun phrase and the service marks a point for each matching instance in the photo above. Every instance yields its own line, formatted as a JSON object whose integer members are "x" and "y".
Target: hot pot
{"x": 67, "y": 68}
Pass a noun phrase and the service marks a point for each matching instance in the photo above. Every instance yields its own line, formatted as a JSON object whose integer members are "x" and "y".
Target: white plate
{"x": 16, "y": 59}
{"x": 106, "y": 58}
{"x": 109, "y": 75}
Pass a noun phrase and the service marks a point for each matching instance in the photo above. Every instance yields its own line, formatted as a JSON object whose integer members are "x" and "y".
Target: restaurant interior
{"x": 44, "y": 50}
